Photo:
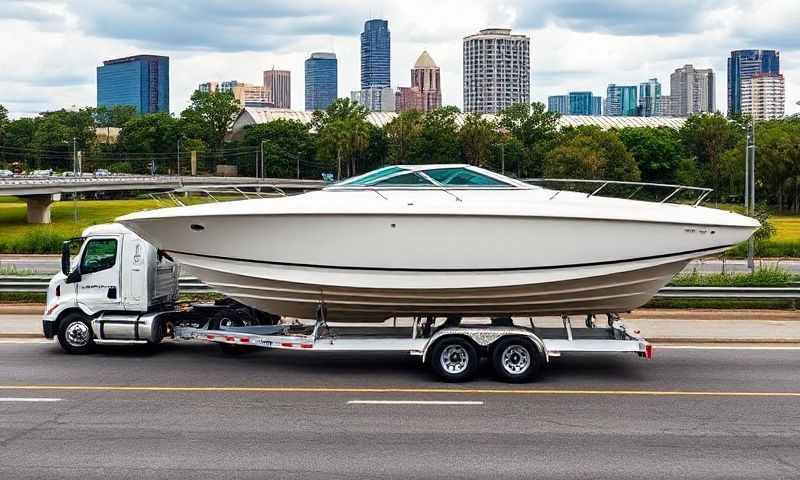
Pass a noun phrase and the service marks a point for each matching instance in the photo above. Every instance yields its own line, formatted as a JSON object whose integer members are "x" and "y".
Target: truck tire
{"x": 75, "y": 334}
{"x": 454, "y": 359}
{"x": 516, "y": 360}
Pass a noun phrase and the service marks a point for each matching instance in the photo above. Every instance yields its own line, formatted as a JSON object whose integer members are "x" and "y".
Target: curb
{"x": 22, "y": 335}
{"x": 722, "y": 340}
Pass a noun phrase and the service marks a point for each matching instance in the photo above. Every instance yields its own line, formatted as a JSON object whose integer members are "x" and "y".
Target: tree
{"x": 288, "y": 146}
{"x": 343, "y": 135}
{"x": 401, "y": 133}
{"x": 148, "y": 138}
{"x": 478, "y": 137}
{"x": 657, "y": 151}
{"x": 706, "y": 137}
{"x": 535, "y": 129}
{"x": 209, "y": 116}
{"x": 590, "y": 152}
{"x": 438, "y": 138}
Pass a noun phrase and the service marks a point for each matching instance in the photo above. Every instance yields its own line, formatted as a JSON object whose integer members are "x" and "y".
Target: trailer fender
{"x": 485, "y": 337}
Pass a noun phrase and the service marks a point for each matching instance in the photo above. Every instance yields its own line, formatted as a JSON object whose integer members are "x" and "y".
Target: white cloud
{"x": 52, "y": 47}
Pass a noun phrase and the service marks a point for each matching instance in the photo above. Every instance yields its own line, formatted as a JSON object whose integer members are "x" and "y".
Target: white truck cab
{"x": 113, "y": 291}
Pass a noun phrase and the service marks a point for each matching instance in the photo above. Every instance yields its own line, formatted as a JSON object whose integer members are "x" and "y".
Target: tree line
{"x": 523, "y": 141}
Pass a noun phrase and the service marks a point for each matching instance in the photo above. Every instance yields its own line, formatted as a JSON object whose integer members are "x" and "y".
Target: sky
{"x": 49, "y": 49}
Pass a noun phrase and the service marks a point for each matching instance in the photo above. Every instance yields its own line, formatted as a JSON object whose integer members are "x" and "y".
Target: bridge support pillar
{"x": 39, "y": 207}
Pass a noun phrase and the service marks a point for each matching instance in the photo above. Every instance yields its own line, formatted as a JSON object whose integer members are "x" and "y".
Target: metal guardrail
{"x": 674, "y": 190}
{"x": 38, "y": 284}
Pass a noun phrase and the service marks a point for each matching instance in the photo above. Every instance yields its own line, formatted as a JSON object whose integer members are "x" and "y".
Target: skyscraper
{"x": 763, "y": 96}
{"x": 425, "y": 93}
{"x": 375, "y": 54}
{"x": 321, "y": 80}
{"x": 375, "y": 99}
{"x": 141, "y": 81}
{"x": 558, "y": 104}
{"x": 621, "y": 101}
{"x": 576, "y": 103}
{"x": 692, "y": 91}
{"x": 743, "y": 64}
{"x": 208, "y": 87}
{"x": 278, "y": 87}
{"x": 649, "y": 94}
{"x": 497, "y": 70}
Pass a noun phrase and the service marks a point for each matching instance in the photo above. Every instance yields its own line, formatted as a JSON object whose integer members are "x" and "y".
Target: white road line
{"x": 23, "y": 341}
{"x": 413, "y": 402}
{"x": 29, "y": 399}
{"x": 726, "y": 347}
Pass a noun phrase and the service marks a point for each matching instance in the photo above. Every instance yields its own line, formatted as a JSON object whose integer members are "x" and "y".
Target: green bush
{"x": 768, "y": 248}
{"x": 39, "y": 240}
{"x": 761, "y": 277}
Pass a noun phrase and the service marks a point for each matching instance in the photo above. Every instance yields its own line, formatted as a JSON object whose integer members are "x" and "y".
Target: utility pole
{"x": 75, "y": 173}
{"x": 179, "y": 156}
{"x": 749, "y": 187}
{"x": 503, "y": 158}
{"x": 298, "y": 168}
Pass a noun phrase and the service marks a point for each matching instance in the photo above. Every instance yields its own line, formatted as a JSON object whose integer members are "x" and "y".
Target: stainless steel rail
{"x": 38, "y": 284}
{"x": 701, "y": 192}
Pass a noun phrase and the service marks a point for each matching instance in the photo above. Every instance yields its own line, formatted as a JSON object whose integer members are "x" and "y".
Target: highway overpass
{"x": 40, "y": 192}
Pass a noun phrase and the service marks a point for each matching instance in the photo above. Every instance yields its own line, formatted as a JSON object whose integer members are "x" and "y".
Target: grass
{"x": 17, "y": 236}
{"x": 721, "y": 304}
{"x": 762, "y": 277}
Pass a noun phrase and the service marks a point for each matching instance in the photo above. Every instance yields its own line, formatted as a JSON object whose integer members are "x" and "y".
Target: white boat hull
{"x": 468, "y": 265}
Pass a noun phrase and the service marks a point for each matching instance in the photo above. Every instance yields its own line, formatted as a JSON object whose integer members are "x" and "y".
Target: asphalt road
{"x": 187, "y": 411}
{"x": 46, "y": 264}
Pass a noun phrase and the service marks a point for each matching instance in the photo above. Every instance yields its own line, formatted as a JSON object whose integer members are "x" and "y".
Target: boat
{"x": 440, "y": 240}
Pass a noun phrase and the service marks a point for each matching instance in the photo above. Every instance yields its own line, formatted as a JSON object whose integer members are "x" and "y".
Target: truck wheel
{"x": 454, "y": 360}
{"x": 75, "y": 334}
{"x": 516, "y": 360}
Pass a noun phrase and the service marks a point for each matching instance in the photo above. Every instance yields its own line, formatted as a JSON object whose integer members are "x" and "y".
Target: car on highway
{"x": 68, "y": 173}
{"x": 102, "y": 172}
{"x": 6, "y": 173}
{"x": 42, "y": 173}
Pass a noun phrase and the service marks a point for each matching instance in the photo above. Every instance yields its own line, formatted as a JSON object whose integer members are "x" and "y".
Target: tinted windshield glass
{"x": 99, "y": 255}
{"x": 371, "y": 177}
{"x": 407, "y": 179}
{"x": 462, "y": 176}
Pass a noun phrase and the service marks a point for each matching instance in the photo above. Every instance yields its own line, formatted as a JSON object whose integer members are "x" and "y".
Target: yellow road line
{"x": 323, "y": 390}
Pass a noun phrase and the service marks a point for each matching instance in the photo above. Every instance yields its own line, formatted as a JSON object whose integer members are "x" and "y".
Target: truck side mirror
{"x": 65, "y": 258}
{"x": 74, "y": 276}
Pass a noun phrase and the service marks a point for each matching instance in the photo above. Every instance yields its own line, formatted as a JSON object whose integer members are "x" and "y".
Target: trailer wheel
{"x": 75, "y": 334}
{"x": 454, "y": 359}
{"x": 516, "y": 360}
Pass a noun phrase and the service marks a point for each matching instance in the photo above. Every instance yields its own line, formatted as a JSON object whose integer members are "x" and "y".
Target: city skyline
{"x": 570, "y": 51}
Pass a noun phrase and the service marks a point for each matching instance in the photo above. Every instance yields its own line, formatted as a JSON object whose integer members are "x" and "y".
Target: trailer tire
{"x": 516, "y": 360}
{"x": 75, "y": 334}
{"x": 454, "y": 359}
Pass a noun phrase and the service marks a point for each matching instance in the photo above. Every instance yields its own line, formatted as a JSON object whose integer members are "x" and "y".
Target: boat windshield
{"x": 449, "y": 176}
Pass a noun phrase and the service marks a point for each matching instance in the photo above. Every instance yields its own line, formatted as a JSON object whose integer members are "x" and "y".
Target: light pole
{"x": 749, "y": 186}
{"x": 182, "y": 137}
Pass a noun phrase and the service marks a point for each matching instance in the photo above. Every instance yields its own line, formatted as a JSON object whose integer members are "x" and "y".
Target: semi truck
{"x": 115, "y": 288}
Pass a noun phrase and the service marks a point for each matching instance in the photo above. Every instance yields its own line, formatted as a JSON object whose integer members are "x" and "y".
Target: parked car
{"x": 6, "y": 173}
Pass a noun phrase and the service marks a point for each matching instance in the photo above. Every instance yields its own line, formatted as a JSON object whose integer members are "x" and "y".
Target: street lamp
{"x": 749, "y": 186}
{"x": 262, "y": 161}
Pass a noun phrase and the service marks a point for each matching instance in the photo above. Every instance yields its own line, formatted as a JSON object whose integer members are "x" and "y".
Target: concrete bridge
{"x": 40, "y": 192}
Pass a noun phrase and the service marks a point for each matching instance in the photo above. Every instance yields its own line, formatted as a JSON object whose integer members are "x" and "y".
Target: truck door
{"x": 99, "y": 287}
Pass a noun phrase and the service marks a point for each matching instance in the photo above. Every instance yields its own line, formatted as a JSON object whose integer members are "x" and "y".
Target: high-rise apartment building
{"x": 649, "y": 93}
{"x": 763, "y": 96}
{"x": 321, "y": 80}
{"x": 141, "y": 81}
{"x": 692, "y": 91}
{"x": 375, "y": 54}
{"x": 743, "y": 64}
{"x": 621, "y": 101}
{"x": 228, "y": 85}
{"x": 376, "y": 99}
{"x": 278, "y": 87}
{"x": 497, "y": 70}
{"x": 664, "y": 106}
{"x": 251, "y": 95}
{"x": 425, "y": 93}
